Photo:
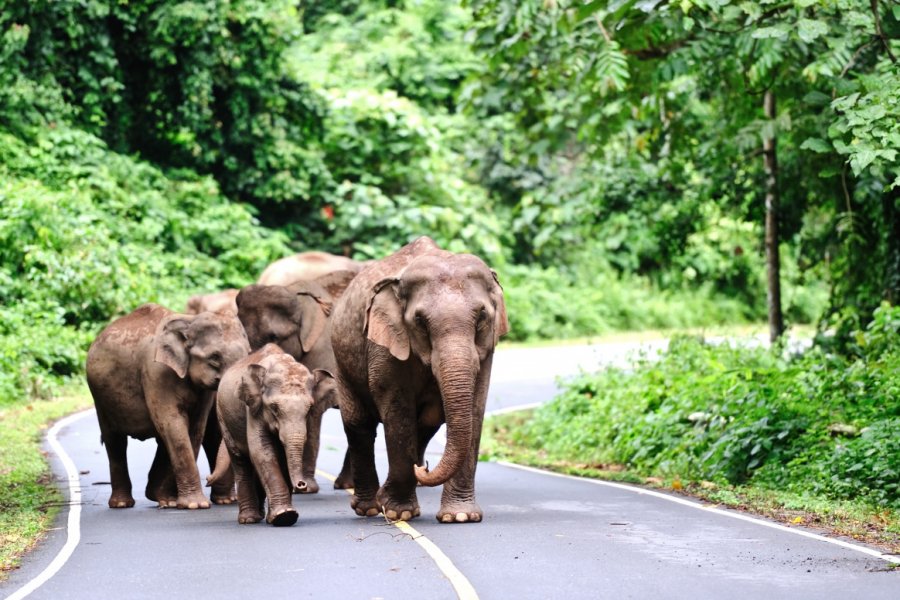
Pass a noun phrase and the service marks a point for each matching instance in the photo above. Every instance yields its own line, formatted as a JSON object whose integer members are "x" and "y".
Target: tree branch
{"x": 880, "y": 33}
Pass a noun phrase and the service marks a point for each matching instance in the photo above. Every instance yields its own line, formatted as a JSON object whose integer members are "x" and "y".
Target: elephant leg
{"x": 116, "y": 451}
{"x": 248, "y": 492}
{"x": 361, "y": 450}
{"x": 161, "y": 486}
{"x": 311, "y": 450}
{"x": 264, "y": 454}
{"x": 458, "y": 503}
{"x": 344, "y": 480}
{"x": 183, "y": 446}
{"x": 397, "y": 496}
{"x": 360, "y": 426}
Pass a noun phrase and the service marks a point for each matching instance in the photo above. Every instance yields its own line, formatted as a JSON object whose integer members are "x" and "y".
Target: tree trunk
{"x": 773, "y": 265}
{"x": 892, "y": 260}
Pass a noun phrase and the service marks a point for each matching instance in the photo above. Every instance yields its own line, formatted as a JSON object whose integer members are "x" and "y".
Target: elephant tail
{"x": 223, "y": 465}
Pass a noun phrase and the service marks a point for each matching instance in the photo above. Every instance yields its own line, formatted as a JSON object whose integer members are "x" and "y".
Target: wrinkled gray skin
{"x": 306, "y": 266}
{"x": 414, "y": 337}
{"x": 152, "y": 374}
{"x": 215, "y": 302}
{"x": 262, "y": 406}
{"x": 297, "y": 318}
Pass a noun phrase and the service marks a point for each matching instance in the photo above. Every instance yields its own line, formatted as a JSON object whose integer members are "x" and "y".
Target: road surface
{"x": 544, "y": 536}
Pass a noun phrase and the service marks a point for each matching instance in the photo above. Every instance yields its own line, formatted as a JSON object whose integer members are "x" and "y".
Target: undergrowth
{"x": 815, "y": 425}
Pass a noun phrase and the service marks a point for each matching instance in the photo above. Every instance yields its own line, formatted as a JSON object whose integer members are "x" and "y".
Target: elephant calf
{"x": 296, "y": 318}
{"x": 413, "y": 338}
{"x": 151, "y": 374}
{"x": 263, "y": 405}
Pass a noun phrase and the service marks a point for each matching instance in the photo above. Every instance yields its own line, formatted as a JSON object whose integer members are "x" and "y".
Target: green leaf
{"x": 816, "y": 145}
{"x": 816, "y": 98}
{"x": 862, "y": 159}
{"x": 809, "y": 29}
{"x": 775, "y": 31}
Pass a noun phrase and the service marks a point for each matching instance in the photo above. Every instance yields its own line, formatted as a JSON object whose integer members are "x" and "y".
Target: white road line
{"x": 713, "y": 509}
{"x": 73, "y": 527}
{"x": 464, "y": 589}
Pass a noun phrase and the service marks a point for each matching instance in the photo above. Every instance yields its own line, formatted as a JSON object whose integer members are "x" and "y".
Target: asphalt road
{"x": 543, "y": 536}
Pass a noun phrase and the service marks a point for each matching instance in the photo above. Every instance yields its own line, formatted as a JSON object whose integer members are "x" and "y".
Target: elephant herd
{"x": 406, "y": 341}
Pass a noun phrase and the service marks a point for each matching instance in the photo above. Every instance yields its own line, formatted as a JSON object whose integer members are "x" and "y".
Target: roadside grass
{"x": 29, "y": 500}
{"x": 856, "y": 519}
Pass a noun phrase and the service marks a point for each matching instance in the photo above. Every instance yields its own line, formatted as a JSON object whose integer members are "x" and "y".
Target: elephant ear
{"x": 313, "y": 309}
{"x": 324, "y": 389}
{"x": 172, "y": 345}
{"x": 253, "y": 385}
{"x": 384, "y": 319}
{"x": 501, "y": 322}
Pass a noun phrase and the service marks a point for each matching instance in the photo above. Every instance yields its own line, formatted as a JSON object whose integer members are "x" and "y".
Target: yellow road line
{"x": 464, "y": 589}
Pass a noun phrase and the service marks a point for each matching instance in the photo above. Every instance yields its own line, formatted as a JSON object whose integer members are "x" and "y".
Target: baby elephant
{"x": 263, "y": 405}
{"x": 152, "y": 373}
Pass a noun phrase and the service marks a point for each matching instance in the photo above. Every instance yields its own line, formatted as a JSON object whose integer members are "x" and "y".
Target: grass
{"x": 871, "y": 525}
{"x": 28, "y": 499}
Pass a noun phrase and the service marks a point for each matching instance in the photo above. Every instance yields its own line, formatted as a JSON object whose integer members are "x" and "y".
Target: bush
{"x": 816, "y": 421}
{"x": 87, "y": 234}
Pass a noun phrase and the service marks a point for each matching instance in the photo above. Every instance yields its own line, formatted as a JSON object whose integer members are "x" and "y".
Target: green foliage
{"x": 87, "y": 234}
{"x": 668, "y": 97}
{"x": 730, "y": 414}
{"x": 546, "y": 303}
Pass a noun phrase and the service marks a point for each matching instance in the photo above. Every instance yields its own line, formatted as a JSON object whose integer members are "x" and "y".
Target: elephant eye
{"x": 420, "y": 321}
{"x": 215, "y": 361}
{"x": 482, "y": 315}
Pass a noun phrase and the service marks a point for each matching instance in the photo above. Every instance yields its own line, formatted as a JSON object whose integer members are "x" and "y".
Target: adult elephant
{"x": 306, "y": 266}
{"x": 262, "y": 406}
{"x": 215, "y": 302}
{"x": 414, "y": 337}
{"x": 297, "y": 319}
{"x": 151, "y": 374}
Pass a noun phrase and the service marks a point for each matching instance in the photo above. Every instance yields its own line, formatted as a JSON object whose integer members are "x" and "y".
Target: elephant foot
{"x": 365, "y": 508}
{"x": 247, "y": 517}
{"x": 162, "y": 500}
{"x": 398, "y": 510}
{"x": 121, "y": 500}
{"x": 282, "y": 517}
{"x": 344, "y": 481}
{"x": 220, "y": 496}
{"x": 192, "y": 501}
{"x": 463, "y": 512}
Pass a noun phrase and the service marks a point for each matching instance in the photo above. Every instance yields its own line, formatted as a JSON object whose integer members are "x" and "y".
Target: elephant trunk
{"x": 293, "y": 450}
{"x": 456, "y": 369}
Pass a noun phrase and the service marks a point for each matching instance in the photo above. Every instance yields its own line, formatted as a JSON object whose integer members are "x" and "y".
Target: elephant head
{"x": 293, "y": 317}
{"x": 446, "y": 311}
{"x": 200, "y": 347}
{"x": 279, "y": 393}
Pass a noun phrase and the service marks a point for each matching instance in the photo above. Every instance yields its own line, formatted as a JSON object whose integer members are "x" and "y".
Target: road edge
{"x": 73, "y": 519}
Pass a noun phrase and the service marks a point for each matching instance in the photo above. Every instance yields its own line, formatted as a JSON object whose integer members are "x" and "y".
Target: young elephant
{"x": 262, "y": 406}
{"x": 297, "y": 318}
{"x": 152, "y": 374}
{"x": 414, "y": 337}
